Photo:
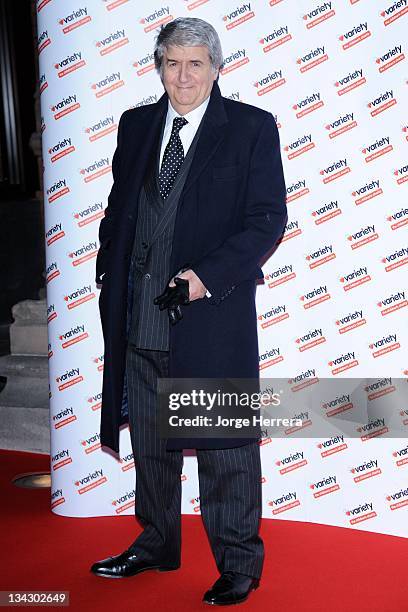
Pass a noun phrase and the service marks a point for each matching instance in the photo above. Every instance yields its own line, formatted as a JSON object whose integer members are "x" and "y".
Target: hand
{"x": 173, "y": 298}
{"x": 196, "y": 287}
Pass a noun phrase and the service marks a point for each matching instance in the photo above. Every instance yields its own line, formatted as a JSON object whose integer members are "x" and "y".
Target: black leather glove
{"x": 173, "y": 298}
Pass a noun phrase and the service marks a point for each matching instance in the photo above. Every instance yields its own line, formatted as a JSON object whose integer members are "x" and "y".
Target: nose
{"x": 183, "y": 74}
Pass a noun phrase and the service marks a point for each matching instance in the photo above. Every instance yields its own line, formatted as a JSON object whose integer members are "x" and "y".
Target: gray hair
{"x": 188, "y": 32}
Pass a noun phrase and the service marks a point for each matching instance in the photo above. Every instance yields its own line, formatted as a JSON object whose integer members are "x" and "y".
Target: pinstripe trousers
{"x": 229, "y": 481}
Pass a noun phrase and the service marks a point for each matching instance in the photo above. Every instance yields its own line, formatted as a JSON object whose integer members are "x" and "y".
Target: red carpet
{"x": 307, "y": 567}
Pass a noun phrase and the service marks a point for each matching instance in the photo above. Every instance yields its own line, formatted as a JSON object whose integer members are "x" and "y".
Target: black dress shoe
{"x": 127, "y": 564}
{"x": 230, "y": 588}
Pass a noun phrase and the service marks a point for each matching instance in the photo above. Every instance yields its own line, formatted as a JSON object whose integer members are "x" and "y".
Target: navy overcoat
{"x": 231, "y": 213}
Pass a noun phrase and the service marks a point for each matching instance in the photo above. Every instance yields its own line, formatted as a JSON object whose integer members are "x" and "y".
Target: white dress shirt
{"x": 186, "y": 133}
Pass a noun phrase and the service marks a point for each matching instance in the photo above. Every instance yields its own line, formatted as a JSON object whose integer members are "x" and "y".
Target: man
{"x": 198, "y": 194}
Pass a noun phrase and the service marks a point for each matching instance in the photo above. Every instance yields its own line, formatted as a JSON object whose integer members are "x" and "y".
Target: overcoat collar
{"x": 146, "y": 141}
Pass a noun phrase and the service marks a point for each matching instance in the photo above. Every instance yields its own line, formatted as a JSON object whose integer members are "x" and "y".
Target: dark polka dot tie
{"x": 172, "y": 159}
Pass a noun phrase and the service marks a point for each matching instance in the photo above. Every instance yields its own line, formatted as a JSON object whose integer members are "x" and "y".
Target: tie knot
{"x": 178, "y": 123}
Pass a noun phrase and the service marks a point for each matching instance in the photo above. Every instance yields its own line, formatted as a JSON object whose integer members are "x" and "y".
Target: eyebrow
{"x": 177, "y": 61}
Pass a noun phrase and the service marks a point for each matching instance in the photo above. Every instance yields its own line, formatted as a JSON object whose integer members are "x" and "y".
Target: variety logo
{"x": 127, "y": 462}
{"x": 59, "y": 460}
{"x": 325, "y": 486}
{"x": 315, "y": 296}
{"x": 396, "y": 259}
{"x": 308, "y": 105}
{"x": 310, "y": 339}
{"x": 377, "y": 149}
{"x": 331, "y": 446}
{"x": 296, "y": 191}
{"x": 280, "y": 275}
{"x": 54, "y": 233}
{"x": 274, "y": 39}
{"x": 64, "y": 417}
{"x": 43, "y": 41}
{"x": 368, "y": 469}
{"x": 398, "y": 500}
{"x": 99, "y": 362}
{"x": 69, "y": 64}
{"x": 102, "y": 128}
{"x": 124, "y": 502}
{"x": 302, "y": 418}
{"x": 83, "y": 254}
{"x": 90, "y": 214}
{"x": 335, "y": 171}
{"x": 312, "y": 58}
{"x": 381, "y": 387}
{"x": 274, "y": 315}
{"x": 299, "y": 146}
{"x": 79, "y": 296}
{"x": 270, "y": 358}
{"x": 144, "y": 101}
{"x": 269, "y": 82}
{"x": 65, "y": 106}
{"x": 234, "y": 96}
{"x": 144, "y": 64}
{"x": 195, "y": 4}
{"x": 51, "y": 272}
{"x": 361, "y": 513}
{"x": 51, "y": 313}
{"x": 76, "y": 19}
{"x": 390, "y": 58}
{"x": 92, "y": 443}
{"x": 108, "y": 84}
{"x": 322, "y": 256}
{"x": 284, "y": 503}
{"x": 69, "y": 378}
{"x": 392, "y": 13}
{"x": 42, "y": 83}
{"x": 350, "y": 321}
{"x": 57, "y": 497}
{"x": 235, "y": 60}
{"x": 96, "y": 401}
{"x": 319, "y": 14}
{"x": 384, "y": 345}
{"x": 402, "y": 174}
{"x": 73, "y": 336}
{"x": 90, "y": 481}
{"x": 350, "y": 81}
{"x": 401, "y": 456}
{"x": 96, "y": 169}
{"x": 238, "y": 16}
{"x": 355, "y": 278}
{"x": 196, "y": 501}
{"x": 355, "y": 36}
{"x": 367, "y": 192}
{"x": 373, "y": 429}
{"x": 392, "y": 303}
{"x": 326, "y": 212}
{"x": 363, "y": 236}
{"x": 114, "y": 41}
{"x": 159, "y": 18}
{"x": 57, "y": 190}
{"x": 340, "y": 126}
{"x": 383, "y": 102}
{"x": 291, "y": 230}
{"x": 61, "y": 149}
{"x": 343, "y": 362}
{"x": 337, "y": 405}
{"x": 294, "y": 461}
{"x": 304, "y": 379}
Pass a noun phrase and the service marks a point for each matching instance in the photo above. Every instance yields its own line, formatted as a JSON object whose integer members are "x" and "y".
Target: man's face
{"x": 187, "y": 77}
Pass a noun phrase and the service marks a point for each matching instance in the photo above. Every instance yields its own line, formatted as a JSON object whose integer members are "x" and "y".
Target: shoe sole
{"x": 145, "y": 569}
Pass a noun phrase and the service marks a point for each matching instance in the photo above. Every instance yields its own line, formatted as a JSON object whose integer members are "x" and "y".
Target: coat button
{"x": 147, "y": 276}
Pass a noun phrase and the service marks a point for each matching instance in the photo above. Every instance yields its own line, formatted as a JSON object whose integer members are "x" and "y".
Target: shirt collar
{"x": 193, "y": 117}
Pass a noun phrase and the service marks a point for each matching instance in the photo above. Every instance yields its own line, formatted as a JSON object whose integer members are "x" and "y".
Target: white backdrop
{"x": 334, "y": 75}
